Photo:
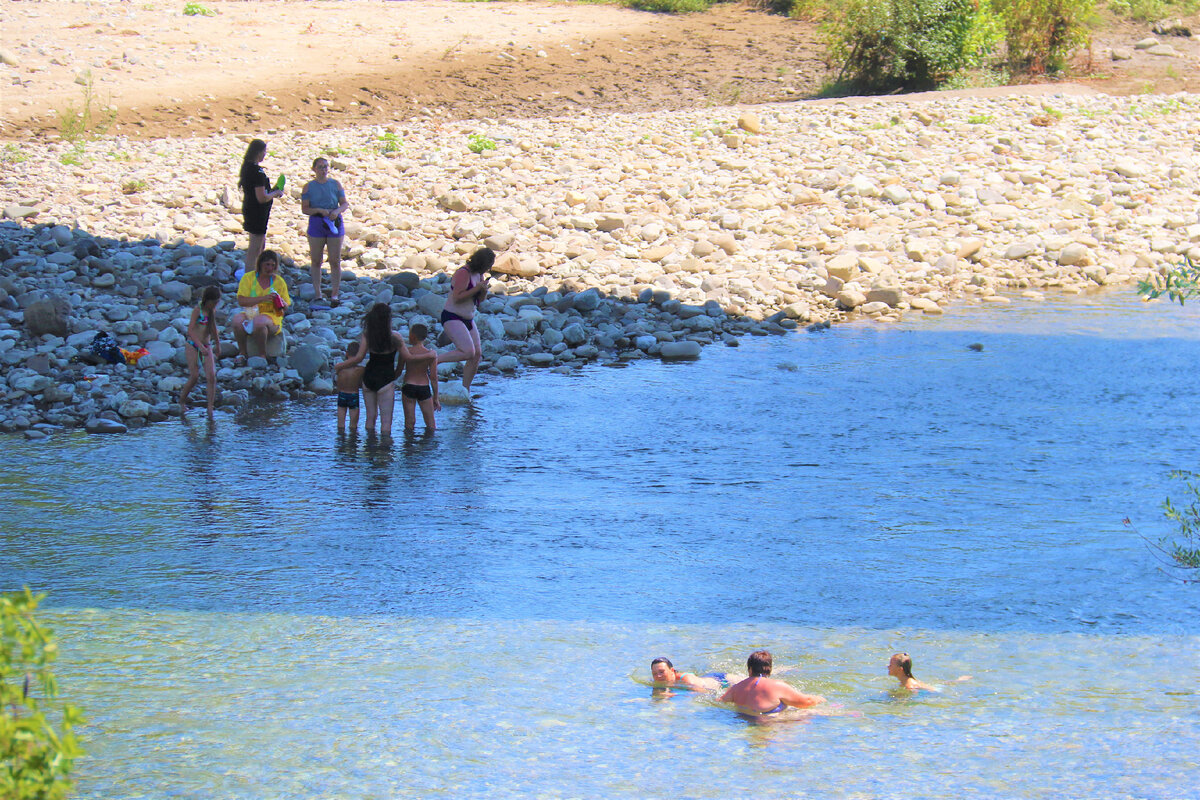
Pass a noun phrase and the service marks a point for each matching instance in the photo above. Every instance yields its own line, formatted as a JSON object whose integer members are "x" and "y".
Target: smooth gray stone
{"x": 675, "y": 351}
{"x": 49, "y": 314}
{"x": 574, "y": 334}
{"x": 587, "y": 300}
{"x": 431, "y": 304}
{"x": 308, "y": 361}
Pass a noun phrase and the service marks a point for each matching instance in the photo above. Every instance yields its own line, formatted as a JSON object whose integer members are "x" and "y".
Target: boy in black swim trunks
{"x": 420, "y": 385}
{"x": 349, "y": 381}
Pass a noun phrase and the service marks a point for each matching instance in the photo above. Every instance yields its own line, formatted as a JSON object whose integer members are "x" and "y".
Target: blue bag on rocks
{"x": 106, "y": 347}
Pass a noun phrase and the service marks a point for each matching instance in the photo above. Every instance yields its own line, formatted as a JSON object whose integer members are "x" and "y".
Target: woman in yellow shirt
{"x": 263, "y": 297}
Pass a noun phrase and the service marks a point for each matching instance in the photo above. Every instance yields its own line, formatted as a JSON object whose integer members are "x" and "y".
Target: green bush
{"x": 1180, "y": 283}
{"x": 477, "y": 143}
{"x": 1153, "y": 10}
{"x": 908, "y": 45}
{"x": 35, "y": 759}
{"x": 1041, "y": 35}
{"x": 670, "y": 6}
{"x": 197, "y": 10}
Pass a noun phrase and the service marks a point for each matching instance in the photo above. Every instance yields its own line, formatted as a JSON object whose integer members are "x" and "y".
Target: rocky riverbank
{"x": 622, "y": 237}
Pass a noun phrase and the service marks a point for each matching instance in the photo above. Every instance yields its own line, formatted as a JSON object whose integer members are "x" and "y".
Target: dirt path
{"x": 277, "y": 64}
{"x": 274, "y": 64}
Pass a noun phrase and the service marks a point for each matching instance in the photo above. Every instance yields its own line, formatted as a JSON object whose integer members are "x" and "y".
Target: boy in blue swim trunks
{"x": 349, "y": 381}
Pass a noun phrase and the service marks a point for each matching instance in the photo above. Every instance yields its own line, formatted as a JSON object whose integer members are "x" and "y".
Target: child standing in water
{"x": 201, "y": 340}
{"x": 349, "y": 380}
{"x": 382, "y": 345}
{"x": 420, "y": 386}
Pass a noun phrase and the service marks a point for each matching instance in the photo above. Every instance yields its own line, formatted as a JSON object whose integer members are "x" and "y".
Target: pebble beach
{"x": 619, "y": 237}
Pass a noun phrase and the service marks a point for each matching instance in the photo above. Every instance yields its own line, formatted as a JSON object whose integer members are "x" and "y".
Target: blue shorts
{"x": 347, "y": 400}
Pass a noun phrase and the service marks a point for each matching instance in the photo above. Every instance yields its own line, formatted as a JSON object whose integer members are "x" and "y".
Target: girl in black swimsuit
{"x": 379, "y": 378}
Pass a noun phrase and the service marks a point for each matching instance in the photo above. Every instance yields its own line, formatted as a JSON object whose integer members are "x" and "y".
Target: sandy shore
{"x": 274, "y": 65}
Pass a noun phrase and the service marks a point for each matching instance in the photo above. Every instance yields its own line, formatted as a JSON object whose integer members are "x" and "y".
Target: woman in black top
{"x": 257, "y": 196}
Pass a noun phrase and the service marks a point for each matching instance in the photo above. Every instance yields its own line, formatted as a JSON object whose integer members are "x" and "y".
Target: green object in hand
{"x": 279, "y": 183}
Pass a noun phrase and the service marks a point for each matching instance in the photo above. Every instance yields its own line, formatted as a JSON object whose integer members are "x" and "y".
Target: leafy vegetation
{"x": 197, "y": 10}
{"x": 908, "y": 45}
{"x": 88, "y": 120}
{"x": 1041, "y": 35}
{"x": 671, "y": 6}
{"x": 1181, "y": 552}
{"x": 35, "y": 757}
{"x": 11, "y": 154}
{"x": 477, "y": 143}
{"x": 1179, "y": 284}
{"x": 1153, "y": 10}
{"x": 391, "y": 143}
{"x": 133, "y": 186}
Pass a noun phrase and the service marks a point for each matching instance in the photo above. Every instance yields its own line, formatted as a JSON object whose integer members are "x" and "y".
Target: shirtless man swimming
{"x": 760, "y": 695}
{"x": 666, "y": 676}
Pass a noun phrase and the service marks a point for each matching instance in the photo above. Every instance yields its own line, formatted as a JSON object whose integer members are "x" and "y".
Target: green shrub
{"x": 1180, "y": 283}
{"x": 1153, "y": 10}
{"x": 477, "y": 143}
{"x": 1041, "y": 35}
{"x": 197, "y": 10}
{"x": 35, "y": 759}
{"x": 90, "y": 119}
{"x": 908, "y": 45}
{"x": 670, "y": 6}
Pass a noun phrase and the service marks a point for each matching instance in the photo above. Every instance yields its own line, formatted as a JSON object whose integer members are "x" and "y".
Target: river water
{"x": 263, "y": 610}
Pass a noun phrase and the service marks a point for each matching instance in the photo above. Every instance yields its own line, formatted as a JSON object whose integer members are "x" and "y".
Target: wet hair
{"x": 266, "y": 255}
{"x": 905, "y": 662}
{"x": 209, "y": 295}
{"x": 481, "y": 260}
{"x": 417, "y": 333}
{"x": 318, "y": 160}
{"x": 352, "y": 349}
{"x": 377, "y": 328}
{"x": 662, "y": 660}
{"x": 249, "y": 166}
{"x": 759, "y": 663}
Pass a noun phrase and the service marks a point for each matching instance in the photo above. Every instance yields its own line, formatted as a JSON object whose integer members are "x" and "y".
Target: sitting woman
{"x": 263, "y": 298}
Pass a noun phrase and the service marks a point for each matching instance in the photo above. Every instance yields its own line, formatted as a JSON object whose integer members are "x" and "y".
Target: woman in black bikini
{"x": 379, "y": 378}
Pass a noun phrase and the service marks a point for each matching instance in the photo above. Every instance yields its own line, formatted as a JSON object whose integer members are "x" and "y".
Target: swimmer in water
{"x": 667, "y": 677}
{"x": 900, "y": 668}
{"x": 761, "y": 695}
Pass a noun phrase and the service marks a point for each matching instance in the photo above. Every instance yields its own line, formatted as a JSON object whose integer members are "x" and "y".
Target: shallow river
{"x": 264, "y": 610}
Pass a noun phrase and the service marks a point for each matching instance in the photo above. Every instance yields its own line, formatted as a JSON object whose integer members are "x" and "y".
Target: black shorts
{"x": 254, "y": 218}
{"x": 416, "y": 391}
{"x": 347, "y": 400}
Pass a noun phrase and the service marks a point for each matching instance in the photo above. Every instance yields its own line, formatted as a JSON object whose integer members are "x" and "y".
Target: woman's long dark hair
{"x": 249, "y": 166}
{"x": 377, "y": 326}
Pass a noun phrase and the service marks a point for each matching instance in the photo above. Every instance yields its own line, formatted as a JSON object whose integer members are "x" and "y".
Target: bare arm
{"x": 354, "y": 359}
{"x": 309, "y": 211}
{"x": 797, "y": 699}
{"x": 461, "y": 289}
{"x": 263, "y": 195}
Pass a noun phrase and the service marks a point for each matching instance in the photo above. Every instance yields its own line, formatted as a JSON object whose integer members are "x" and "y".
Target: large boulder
{"x": 307, "y": 360}
{"x": 50, "y": 313}
{"x": 431, "y": 304}
{"x": 587, "y": 300}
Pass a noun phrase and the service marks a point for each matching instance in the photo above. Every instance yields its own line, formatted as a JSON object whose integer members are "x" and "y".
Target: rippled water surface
{"x": 262, "y": 609}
